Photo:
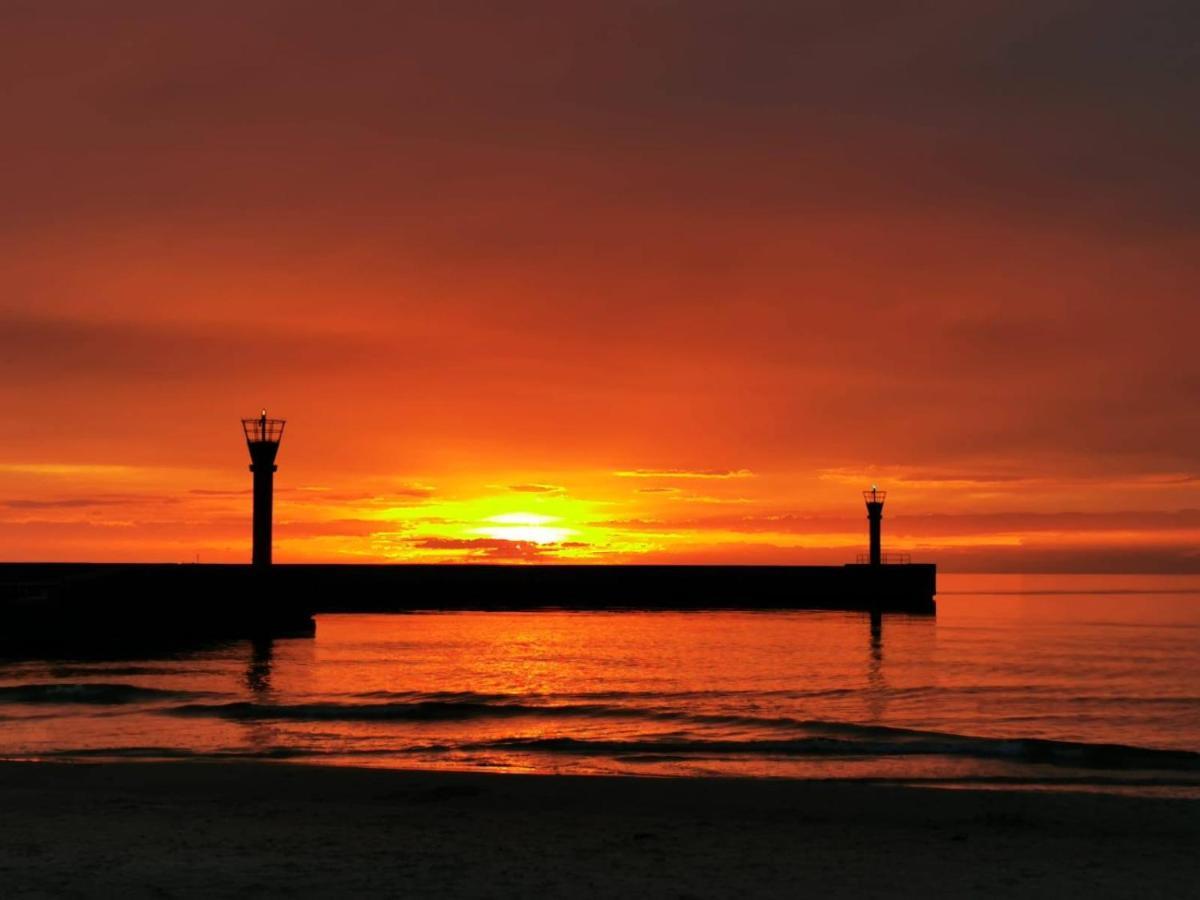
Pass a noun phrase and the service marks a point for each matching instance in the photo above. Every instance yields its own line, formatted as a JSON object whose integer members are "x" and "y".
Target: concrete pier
{"x": 99, "y": 604}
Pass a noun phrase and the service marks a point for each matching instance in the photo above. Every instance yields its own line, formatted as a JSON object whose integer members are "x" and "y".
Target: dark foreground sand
{"x": 201, "y": 830}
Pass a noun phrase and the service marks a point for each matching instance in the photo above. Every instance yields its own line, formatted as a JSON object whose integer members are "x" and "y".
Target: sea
{"x": 1019, "y": 681}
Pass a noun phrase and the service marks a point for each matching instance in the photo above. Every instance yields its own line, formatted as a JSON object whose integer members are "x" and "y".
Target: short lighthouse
{"x": 262, "y": 438}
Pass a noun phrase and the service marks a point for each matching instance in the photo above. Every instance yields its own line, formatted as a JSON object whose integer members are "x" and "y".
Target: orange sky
{"x": 604, "y": 281}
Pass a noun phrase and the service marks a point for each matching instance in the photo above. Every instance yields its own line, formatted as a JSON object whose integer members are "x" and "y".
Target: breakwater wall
{"x": 95, "y": 601}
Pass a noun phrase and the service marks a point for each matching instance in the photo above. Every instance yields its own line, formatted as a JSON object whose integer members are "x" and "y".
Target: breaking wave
{"x": 907, "y": 743}
{"x": 90, "y": 692}
{"x": 466, "y": 707}
{"x": 1104, "y": 762}
{"x": 772, "y": 736}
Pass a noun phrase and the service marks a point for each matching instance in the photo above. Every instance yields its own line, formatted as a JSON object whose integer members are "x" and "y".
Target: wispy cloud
{"x": 919, "y": 476}
{"x": 81, "y": 502}
{"x": 67, "y": 469}
{"x": 398, "y": 496}
{"x": 336, "y": 528}
{"x": 493, "y": 548}
{"x": 684, "y": 473}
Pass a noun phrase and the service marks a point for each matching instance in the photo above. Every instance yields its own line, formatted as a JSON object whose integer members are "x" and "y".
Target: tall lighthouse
{"x": 262, "y": 438}
{"x": 875, "y": 498}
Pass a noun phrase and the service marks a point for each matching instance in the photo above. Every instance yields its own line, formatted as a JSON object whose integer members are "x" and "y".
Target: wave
{"x": 790, "y": 693}
{"x": 418, "y": 711}
{"x": 89, "y": 692}
{"x": 1028, "y": 750}
{"x": 796, "y": 738}
{"x": 110, "y": 671}
{"x": 184, "y": 753}
{"x": 465, "y": 707}
{"x": 671, "y": 697}
{"x": 1104, "y": 763}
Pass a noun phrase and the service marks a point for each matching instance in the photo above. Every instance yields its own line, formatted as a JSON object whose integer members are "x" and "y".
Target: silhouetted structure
{"x": 875, "y": 498}
{"x": 65, "y": 606}
{"x": 262, "y": 437}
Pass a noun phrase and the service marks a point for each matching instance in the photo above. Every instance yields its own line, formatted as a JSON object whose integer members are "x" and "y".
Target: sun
{"x": 523, "y": 526}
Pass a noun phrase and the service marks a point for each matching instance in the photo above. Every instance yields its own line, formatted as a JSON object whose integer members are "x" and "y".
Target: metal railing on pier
{"x": 888, "y": 559}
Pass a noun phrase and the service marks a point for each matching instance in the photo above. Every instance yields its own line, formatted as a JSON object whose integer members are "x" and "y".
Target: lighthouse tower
{"x": 262, "y": 438}
{"x": 875, "y": 498}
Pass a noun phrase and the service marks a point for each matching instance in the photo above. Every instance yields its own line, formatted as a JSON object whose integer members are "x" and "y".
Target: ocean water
{"x": 1080, "y": 682}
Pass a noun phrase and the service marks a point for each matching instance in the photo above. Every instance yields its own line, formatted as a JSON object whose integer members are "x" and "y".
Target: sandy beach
{"x": 226, "y": 829}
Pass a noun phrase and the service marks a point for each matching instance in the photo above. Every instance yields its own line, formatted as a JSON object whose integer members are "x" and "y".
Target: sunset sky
{"x": 603, "y": 281}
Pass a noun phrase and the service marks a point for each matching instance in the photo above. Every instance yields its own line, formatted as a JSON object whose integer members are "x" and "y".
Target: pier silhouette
{"x": 66, "y": 604}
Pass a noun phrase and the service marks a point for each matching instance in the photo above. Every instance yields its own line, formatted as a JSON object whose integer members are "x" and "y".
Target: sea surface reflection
{"x": 1079, "y": 682}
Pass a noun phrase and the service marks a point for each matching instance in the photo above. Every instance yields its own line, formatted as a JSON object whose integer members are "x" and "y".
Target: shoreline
{"x": 1147, "y": 783}
{"x": 217, "y": 828}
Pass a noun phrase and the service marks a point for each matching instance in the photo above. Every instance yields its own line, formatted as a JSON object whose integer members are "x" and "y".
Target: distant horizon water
{"x": 1052, "y": 681}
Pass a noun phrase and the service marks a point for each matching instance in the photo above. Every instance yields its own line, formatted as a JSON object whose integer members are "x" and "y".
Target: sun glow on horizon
{"x": 597, "y": 515}
{"x": 523, "y": 526}
{"x": 535, "y": 534}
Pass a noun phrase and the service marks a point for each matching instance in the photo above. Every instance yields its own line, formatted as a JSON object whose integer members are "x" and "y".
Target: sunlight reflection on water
{"x": 1001, "y": 685}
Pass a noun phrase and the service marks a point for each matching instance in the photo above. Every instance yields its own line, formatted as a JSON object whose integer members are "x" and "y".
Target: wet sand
{"x": 240, "y": 829}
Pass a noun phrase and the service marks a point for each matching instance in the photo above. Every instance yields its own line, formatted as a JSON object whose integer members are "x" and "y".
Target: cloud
{"x": 393, "y": 496}
{"x": 684, "y": 473}
{"x": 71, "y": 469}
{"x": 491, "y": 548}
{"x": 83, "y": 502}
{"x": 923, "y": 476}
{"x": 930, "y": 526}
{"x": 536, "y": 488}
{"x": 1007, "y": 480}
{"x": 337, "y": 528}
{"x": 632, "y": 524}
